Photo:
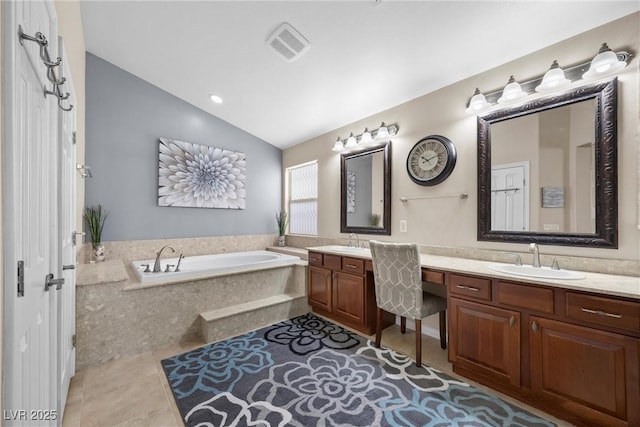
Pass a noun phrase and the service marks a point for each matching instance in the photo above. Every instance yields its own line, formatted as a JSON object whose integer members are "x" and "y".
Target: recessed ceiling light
{"x": 215, "y": 98}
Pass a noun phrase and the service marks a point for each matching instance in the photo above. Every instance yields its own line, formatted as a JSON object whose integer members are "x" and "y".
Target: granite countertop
{"x": 606, "y": 284}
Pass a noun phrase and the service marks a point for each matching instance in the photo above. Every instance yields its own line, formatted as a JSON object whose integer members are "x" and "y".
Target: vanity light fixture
{"x": 338, "y": 146}
{"x": 383, "y": 131}
{"x": 605, "y": 63}
{"x": 554, "y": 79}
{"x": 512, "y": 92}
{"x": 351, "y": 142}
{"x": 478, "y": 103}
{"x": 365, "y": 139}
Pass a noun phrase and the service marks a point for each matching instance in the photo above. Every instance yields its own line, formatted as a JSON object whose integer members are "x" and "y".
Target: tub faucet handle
{"x": 179, "y": 261}
{"x": 518, "y": 260}
{"x": 168, "y": 268}
{"x": 147, "y": 269}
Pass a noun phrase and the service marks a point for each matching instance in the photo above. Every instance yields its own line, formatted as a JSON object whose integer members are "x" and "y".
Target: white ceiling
{"x": 365, "y": 56}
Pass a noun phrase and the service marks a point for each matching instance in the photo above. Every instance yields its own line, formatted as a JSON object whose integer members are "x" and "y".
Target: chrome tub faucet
{"x": 156, "y": 265}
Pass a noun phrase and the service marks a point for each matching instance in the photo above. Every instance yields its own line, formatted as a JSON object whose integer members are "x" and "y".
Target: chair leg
{"x": 379, "y": 316}
{"x": 418, "y": 342}
{"x": 443, "y": 329}
{"x": 403, "y": 324}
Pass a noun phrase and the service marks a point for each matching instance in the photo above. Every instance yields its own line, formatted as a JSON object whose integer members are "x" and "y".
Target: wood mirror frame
{"x": 385, "y": 148}
{"x": 606, "y": 170}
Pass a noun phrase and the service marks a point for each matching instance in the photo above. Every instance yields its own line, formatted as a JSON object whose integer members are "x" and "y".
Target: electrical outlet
{"x": 403, "y": 225}
{"x": 551, "y": 227}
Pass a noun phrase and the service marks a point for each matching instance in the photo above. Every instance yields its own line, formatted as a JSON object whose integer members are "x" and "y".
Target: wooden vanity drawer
{"x": 353, "y": 265}
{"x": 432, "y": 276}
{"x": 603, "y": 311}
{"x": 470, "y": 286}
{"x": 525, "y": 296}
{"x": 315, "y": 259}
{"x": 332, "y": 262}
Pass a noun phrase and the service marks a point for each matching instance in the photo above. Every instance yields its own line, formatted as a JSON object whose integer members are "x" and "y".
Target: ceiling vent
{"x": 288, "y": 42}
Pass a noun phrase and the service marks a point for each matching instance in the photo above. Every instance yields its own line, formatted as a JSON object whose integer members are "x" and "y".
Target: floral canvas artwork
{"x": 200, "y": 176}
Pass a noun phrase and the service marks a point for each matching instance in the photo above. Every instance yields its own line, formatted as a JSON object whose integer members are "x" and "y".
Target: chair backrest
{"x": 398, "y": 278}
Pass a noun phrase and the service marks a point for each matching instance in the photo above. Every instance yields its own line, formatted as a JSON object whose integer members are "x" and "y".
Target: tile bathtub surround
{"x": 131, "y": 250}
{"x": 112, "y": 322}
{"x": 593, "y": 265}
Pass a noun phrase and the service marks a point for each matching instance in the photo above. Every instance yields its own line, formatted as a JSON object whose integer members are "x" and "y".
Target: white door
{"x": 510, "y": 197}
{"x": 29, "y": 209}
{"x": 67, "y": 173}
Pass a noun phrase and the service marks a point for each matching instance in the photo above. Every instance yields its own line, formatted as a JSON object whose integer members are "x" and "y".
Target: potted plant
{"x": 374, "y": 220}
{"x": 282, "y": 220}
{"x": 95, "y": 217}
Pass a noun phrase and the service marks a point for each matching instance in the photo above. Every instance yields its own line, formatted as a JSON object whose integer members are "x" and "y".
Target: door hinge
{"x": 20, "y": 278}
{"x": 73, "y": 340}
{"x": 73, "y": 140}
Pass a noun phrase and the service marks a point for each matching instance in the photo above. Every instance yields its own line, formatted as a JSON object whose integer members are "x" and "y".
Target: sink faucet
{"x": 179, "y": 261}
{"x": 533, "y": 247}
{"x": 156, "y": 265}
{"x": 351, "y": 236}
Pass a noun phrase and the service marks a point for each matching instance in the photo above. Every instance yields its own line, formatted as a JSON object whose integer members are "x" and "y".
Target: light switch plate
{"x": 403, "y": 225}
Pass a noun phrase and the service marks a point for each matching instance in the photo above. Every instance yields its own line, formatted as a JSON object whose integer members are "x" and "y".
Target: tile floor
{"x": 134, "y": 391}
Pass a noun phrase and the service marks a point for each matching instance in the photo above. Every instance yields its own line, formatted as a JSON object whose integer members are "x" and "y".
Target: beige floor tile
{"x": 113, "y": 374}
{"x": 157, "y": 418}
{"x": 191, "y": 345}
{"x": 133, "y": 400}
{"x": 168, "y": 351}
{"x": 76, "y": 387}
{"x": 72, "y": 412}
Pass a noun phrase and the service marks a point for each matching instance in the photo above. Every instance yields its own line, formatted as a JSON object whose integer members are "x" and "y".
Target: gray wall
{"x": 125, "y": 116}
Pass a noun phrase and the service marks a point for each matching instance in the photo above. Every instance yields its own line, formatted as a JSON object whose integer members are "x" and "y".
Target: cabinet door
{"x": 319, "y": 294}
{"x": 591, "y": 373}
{"x": 485, "y": 340}
{"x": 348, "y": 297}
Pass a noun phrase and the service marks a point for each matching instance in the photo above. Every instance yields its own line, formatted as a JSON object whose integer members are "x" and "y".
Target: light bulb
{"x": 512, "y": 92}
{"x": 351, "y": 142}
{"x": 366, "y": 137}
{"x": 383, "y": 132}
{"x": 605, "y": 63}
{"x": 478, "y": 103}
{"x": 553, "y": 79}
{"x": 338, "y": 146}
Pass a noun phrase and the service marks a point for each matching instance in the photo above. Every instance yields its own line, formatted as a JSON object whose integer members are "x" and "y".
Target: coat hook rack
{"x": 85, "y": 171}
{"x": 41, "y": 40}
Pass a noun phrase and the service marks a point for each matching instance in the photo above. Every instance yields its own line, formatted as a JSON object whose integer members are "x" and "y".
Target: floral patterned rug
{"x": 310, "y": 372}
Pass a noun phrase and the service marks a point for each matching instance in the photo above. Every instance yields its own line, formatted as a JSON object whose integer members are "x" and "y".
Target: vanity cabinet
{"x": 341, "y": 288}
{"x": 570, "y": 353}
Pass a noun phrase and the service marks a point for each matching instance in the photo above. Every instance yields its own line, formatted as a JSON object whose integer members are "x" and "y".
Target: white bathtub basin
{"x": 542, "y": 272}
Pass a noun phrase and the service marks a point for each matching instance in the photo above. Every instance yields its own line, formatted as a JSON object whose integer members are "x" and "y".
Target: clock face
{"x": 431, "y": 160}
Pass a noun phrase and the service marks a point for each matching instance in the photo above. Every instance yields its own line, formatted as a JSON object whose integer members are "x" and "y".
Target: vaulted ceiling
{"x": 365, "y": 56}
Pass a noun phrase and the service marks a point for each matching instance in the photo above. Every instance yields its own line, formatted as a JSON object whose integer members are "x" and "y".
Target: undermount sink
{"x": 340, "y": 248}
{"x": 541, "y": 272}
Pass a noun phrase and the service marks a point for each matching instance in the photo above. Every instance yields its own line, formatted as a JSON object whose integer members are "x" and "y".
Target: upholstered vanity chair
{"x": 399, "y": 290}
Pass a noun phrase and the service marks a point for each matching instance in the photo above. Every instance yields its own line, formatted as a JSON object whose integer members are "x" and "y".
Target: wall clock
{"x": 431, "y": 160}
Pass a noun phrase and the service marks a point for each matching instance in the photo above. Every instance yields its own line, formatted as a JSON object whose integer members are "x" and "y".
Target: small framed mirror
{"x": 365, "y": 194}
{"x": 547, "y": 170}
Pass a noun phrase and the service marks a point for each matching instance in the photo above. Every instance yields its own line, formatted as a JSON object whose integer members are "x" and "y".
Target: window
{"x": 303, "y": 198}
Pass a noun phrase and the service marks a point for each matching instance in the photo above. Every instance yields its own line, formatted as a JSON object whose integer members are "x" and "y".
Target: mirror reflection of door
{"x": 365, "y": 190}
{"x": 558, "y": 145}
{"x": 510, "y": 197}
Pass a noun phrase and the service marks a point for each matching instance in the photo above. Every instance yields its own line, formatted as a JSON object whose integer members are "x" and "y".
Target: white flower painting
{"x": 194, "y": 175}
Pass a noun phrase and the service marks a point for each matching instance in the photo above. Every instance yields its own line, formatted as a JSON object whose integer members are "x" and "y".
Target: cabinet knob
{"x": 534, "y": 326}
{"x": 512, "y": 320}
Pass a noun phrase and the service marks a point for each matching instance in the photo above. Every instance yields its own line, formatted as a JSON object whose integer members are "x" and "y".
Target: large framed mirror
{"x": 365, "y": 190}
{"x": 547, "y": 170}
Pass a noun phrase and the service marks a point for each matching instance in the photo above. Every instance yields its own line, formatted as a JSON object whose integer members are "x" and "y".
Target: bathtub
{"x": 202, "y": 266}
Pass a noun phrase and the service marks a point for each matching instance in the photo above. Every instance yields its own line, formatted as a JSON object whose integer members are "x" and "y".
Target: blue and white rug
{"x": 310, "y": 372}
